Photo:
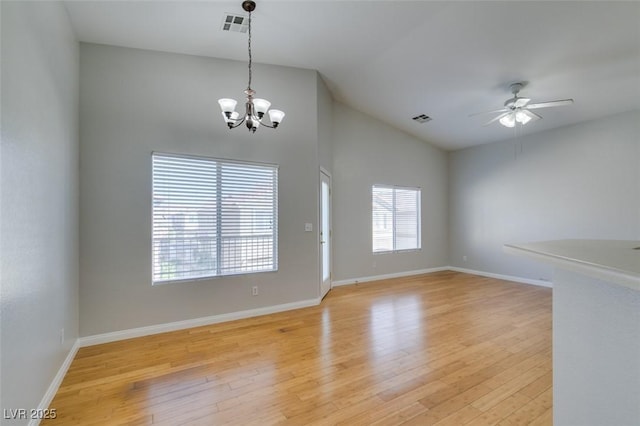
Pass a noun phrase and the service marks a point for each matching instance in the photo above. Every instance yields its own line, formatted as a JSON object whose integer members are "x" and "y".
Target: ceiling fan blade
{"x": 561, "y": 102}
{"x": 504, "y": 114}
{"x": 520, "y": 102}
{"x": 490, "y": 112}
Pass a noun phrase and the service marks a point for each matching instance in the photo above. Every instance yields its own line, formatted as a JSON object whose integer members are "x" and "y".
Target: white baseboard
{"x": 196, "y": 322}
{"x": 541, "y": 283}
{"x": 57, "y": 380}
{"x": 387, "y": 276}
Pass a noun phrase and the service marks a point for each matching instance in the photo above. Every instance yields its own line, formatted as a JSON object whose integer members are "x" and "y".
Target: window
{"x": 213, "y": 217}
{"x": 395, "y": 218}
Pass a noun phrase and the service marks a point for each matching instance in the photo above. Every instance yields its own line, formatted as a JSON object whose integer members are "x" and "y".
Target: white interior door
{"x": 325, "y": 233}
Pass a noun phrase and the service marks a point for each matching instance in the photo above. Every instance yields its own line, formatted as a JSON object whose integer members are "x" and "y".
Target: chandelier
{"x": 255, "y": 108}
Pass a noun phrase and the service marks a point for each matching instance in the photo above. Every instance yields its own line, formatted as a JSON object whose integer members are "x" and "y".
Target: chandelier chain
{"x": 249, "y": 48}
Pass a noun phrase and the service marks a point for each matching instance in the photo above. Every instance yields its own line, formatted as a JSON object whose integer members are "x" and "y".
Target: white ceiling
{"x": 395, "y": 60}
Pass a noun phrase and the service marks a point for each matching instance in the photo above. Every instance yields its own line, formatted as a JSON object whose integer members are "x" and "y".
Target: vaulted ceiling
{"x": 395, "y": 60}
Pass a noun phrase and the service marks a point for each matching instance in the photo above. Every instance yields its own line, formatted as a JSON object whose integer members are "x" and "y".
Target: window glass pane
{"x": 395, "y": 218}
{"x": 326, "y": 237}
{"x": 212, "y": 217}
{"x": 407, "y": 214}
{"x": 382, "y": 219}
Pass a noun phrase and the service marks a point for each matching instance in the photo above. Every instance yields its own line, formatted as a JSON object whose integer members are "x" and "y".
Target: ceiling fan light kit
{"x": 518, "y": 116}
{"x": 255, "y": 108}
{"x": 518, "y": 110}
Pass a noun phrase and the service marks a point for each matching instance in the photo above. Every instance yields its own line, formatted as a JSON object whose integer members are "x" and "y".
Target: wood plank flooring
{"x": 439, "y": 349}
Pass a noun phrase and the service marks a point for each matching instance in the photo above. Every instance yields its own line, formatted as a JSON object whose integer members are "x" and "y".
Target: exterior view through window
{"x": 395, "y": 218}
{"x": 213, "y": 217}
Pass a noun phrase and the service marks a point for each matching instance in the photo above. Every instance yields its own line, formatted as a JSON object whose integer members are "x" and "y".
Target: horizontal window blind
{"x": 213, "y": 217}
{"x": 395, "y": 218}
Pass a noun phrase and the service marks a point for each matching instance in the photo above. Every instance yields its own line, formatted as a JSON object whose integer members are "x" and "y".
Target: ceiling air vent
{"x": 235, "y": 23}
{"x": 422, "y": 118}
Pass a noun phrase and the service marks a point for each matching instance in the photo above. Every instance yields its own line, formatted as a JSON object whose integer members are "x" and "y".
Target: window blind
{"x": 213, "y": 217}
{"x": 395, "y": 218}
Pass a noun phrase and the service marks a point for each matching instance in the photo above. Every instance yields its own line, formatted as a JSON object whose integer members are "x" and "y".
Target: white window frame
{"x": 394, "y": 215}
{"x": 239, "y": 239}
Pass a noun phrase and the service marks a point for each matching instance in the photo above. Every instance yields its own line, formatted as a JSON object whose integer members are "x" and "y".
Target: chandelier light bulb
{"x": 276, "y": 116}
{"x": 227, "y": 105}
{"x": 232, "y": 117}
{"x": 261, "y": 106}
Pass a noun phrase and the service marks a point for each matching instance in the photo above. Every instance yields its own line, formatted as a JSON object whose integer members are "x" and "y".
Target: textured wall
{"x": 596, "y": 351}
{"x": 39, "y": 202}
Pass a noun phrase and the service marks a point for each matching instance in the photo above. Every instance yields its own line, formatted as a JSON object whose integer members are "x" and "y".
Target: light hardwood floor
{"x": 437, "y": 349}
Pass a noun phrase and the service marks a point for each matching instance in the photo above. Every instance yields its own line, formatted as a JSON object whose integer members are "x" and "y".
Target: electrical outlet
{"x": 62, "y": 336}
{"x": 254, "y": 290}
{"x": 464, "y": 258}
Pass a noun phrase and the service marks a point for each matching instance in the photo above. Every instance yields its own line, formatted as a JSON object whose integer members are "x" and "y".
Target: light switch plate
{"x": 308, "y": 227}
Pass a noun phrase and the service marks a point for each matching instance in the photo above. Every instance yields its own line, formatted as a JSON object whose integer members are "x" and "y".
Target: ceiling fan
{"x": 518, "y": 110}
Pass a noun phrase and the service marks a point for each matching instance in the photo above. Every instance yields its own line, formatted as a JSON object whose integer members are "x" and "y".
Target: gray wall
{"x": 580, "y": 181}
{"x": 133, "y": 102}
{"x": 39, "y": 199}
{"x": 596, "y": 373}
{"x": 368, "y": 152}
